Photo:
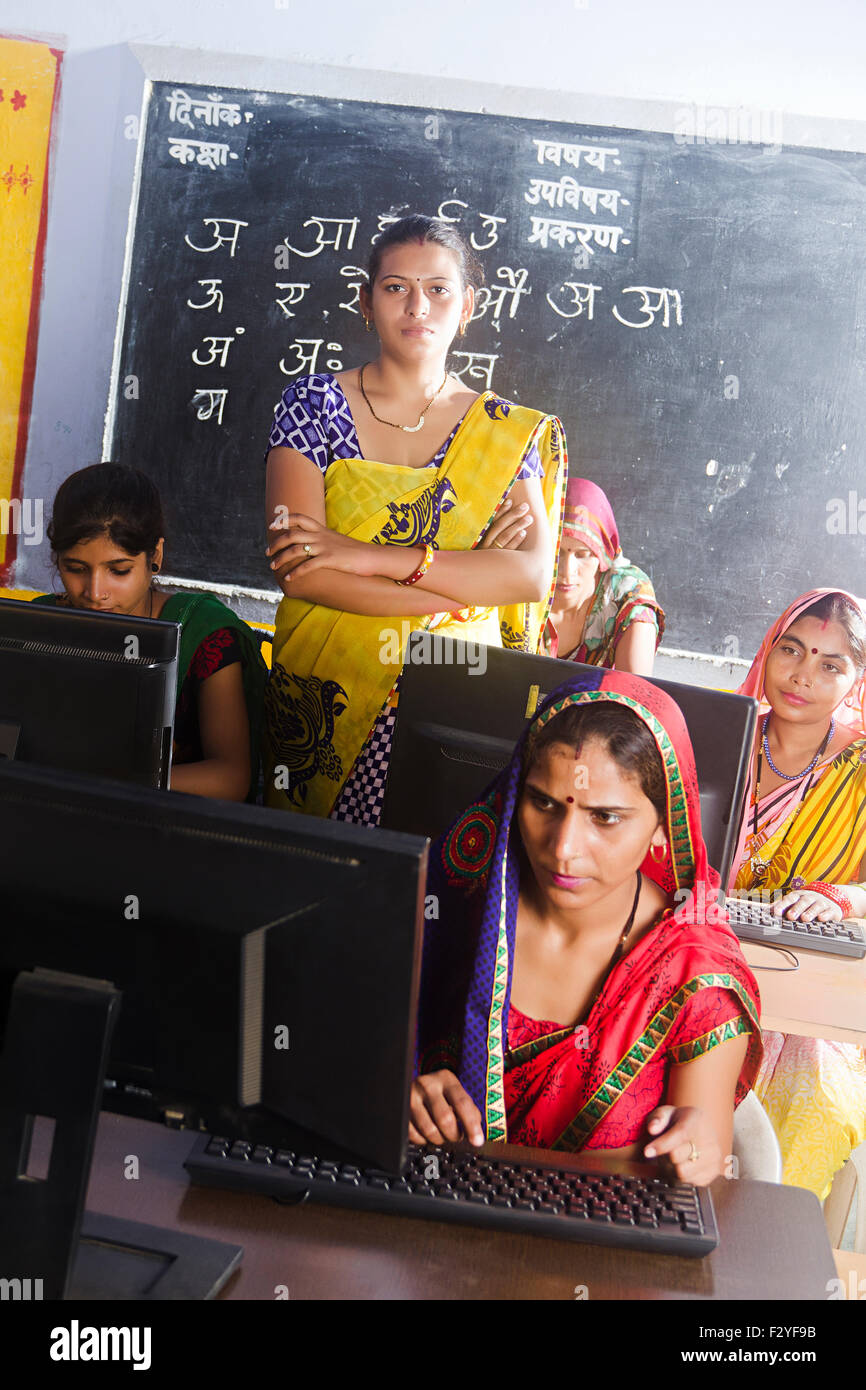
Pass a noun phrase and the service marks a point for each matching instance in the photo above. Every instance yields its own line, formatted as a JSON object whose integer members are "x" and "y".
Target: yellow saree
{"x": 822, "y": 839}
{"x": 813, "y": 1090}
{"x": 334, "y": 671}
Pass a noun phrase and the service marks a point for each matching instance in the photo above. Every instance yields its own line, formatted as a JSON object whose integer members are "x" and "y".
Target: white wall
{"x": 785, "y": 54}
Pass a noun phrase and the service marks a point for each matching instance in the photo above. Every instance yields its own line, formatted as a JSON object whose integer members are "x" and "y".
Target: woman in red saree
{"x": 578, "y": 890}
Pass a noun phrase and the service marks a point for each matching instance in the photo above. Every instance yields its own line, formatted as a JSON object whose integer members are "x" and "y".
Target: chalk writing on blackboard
{"x": 210, "y": 155}
{"x": 216, "y": 297}
{"x": 490, "y": 224}
{"x": 664, "y": 298}
{"x": 221, "y": 240}
{"x": 334, "y": 240}
{"x": 478, "y": 365}
{"x": 347, "y": 270}
{"x": 582, "y": 299}
{"x": 216, "y": 398}
{"x": 562, "y": 233}
{"x": 296, "y": 289}
{"x": 494, "y": 296}
{"x": 219, "y": 348}
{"x": 556, "y": 152}
{"x": 212, "y": 109}
{"x": 307, "y": 362}
{"x": 567, "y": 192}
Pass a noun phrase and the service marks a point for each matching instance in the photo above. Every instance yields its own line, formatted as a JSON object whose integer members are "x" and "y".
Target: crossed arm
{"x": 359, "y": 577}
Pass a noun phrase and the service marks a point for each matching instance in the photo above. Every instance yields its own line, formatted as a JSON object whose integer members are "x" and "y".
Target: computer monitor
{"x": 269, "y": 962}
{"x": 87, "y": 692}
{"x": 463, "y": 706}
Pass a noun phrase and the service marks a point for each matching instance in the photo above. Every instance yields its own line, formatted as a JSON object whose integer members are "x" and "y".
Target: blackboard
{"x": 693, "y": 311}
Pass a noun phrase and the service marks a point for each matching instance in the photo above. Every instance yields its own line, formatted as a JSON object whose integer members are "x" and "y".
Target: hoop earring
{"x": 463, "y": 329}
{"x": 368, "y": 325}
{"x": 658, "y": 858}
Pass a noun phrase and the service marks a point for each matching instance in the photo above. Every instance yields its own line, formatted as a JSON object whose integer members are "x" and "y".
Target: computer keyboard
{"x": 753, "y": 921}
{"x": 643, "y": 1213}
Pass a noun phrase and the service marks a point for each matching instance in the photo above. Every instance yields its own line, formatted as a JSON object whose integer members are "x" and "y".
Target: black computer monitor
{"x": 87, "y": 692}
{"x": 268, "y": 962}
{"x": 463, "y": 706}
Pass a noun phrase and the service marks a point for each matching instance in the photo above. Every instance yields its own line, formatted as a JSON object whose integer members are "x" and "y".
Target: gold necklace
{"x": 407, "y": 429}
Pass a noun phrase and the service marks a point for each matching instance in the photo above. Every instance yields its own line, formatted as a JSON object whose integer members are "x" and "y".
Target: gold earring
{"x": 659, "y": 858}
{"x": 463, "y": 329}
{"x": 368, "y": 325}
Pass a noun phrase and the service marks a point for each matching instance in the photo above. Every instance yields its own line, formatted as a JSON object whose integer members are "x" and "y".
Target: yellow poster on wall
{"x": 29, "y": 87}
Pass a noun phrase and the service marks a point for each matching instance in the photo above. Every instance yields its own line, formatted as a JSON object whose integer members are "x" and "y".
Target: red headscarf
{"x": 587, "y": 516}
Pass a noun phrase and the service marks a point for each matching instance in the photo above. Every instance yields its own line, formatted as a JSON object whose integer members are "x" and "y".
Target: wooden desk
{"x": 773, "y": 1241}
{"x": 825, "y": 998}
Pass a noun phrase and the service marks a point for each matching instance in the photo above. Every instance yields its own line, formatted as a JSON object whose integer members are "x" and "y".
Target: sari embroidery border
{"x": 629, "y": 1067}
{"x": 494, "y": 1099}
{"x": 527, "y": 1052}
{"x": 699, "y": 1047}
{"x": 679, "y": 831}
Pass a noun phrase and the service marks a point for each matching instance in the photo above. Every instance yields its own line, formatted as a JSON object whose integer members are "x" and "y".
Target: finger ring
{"x": 308, "y": 549}
{"x": 498, "y": 546}
{"x": 695, "y": 1154}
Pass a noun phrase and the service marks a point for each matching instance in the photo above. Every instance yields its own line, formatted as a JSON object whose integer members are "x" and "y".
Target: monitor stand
{"x": 52, "y": 1064}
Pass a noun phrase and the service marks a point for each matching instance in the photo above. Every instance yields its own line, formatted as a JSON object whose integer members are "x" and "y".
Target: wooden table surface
{"x": 824, "y": 998}
{"x": 773, "y": 1241}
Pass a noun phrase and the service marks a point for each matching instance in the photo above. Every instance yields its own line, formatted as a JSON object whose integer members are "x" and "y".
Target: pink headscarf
{"x": 854, "y": 705}
{"x": 588, "y": 516}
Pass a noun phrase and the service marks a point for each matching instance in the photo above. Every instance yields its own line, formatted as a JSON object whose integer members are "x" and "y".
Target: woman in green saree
{"x": 107, "y": 541}
{"x": 398, "y": 499}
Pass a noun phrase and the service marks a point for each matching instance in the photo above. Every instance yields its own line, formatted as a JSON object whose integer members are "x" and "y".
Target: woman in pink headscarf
{"x": 803, "y": 843}
{"x": 604, "y": 610}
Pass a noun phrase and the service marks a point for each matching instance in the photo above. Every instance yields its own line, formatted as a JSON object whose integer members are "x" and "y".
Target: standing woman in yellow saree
{"x": 383, "y": 489}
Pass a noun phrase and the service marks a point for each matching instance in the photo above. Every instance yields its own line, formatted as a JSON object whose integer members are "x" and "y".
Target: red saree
{"x": 683, "y": 990}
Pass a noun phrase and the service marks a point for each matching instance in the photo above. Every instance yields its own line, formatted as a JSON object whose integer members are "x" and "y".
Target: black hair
{"x": 836, "y": 608}
{"x": 625, "y": 737}
{"x": 107, "y": 499}
{"x": 417, "y": 227}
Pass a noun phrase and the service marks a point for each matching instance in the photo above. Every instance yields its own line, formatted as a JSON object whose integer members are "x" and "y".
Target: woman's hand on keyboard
{"x": 442, "y": 1112}
{"x": 686, "y": 1136}
{"x": 807, "y": 907}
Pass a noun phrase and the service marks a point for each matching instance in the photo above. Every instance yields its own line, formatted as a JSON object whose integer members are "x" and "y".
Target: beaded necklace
{"x": 761, "y": 867}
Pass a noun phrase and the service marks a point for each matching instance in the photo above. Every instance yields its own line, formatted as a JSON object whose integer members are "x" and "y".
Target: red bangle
{"x": 422, "y": 569}
{"x": 830, "y": 890}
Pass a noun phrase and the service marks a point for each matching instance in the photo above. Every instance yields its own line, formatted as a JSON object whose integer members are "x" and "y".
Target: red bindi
{"x": 814, "y": 651}
{"x": 570, "y": 800}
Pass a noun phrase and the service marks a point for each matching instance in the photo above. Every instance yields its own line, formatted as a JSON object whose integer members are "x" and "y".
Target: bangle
{"x": 830, "y": 890}
{"x": 422, "y": 569}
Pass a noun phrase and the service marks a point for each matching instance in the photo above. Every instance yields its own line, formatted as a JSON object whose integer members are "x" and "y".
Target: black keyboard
{"x": 643, "y": 1213}
{"x": 753, "y": 921}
